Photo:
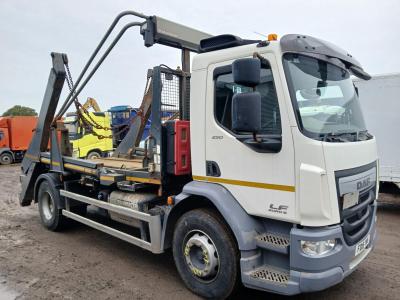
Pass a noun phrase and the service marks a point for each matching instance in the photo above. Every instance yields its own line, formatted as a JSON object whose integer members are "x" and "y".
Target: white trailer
{"x": 381, "y": 105}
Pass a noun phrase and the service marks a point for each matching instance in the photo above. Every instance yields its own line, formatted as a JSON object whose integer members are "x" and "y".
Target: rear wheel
{"x": 94, "y": 155}
{"x": 206, "y": 254}
{"x": 50, "y": 215}
{"x": 6, "y": 159}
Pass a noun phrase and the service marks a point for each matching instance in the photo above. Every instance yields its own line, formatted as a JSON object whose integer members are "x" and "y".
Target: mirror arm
{"x": 261, "y": 58}
{"x": 256, "y": 55}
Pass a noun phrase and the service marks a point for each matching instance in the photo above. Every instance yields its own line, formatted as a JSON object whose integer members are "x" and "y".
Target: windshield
{"x": 71, "y": 124}
{"x": 325, "y": 98}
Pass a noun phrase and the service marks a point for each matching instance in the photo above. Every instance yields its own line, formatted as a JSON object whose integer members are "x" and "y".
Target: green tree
{"x": 18, "y": 110}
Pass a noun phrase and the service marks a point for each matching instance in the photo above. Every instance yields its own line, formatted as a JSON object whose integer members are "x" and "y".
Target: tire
{"x": 199, "y": 233}
{"x": 6, "y": 159}
{"x": 93, "y": 155}
{"x": 48, "y": 199}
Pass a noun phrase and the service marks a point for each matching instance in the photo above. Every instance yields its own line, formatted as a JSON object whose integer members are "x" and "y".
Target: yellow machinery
{"x": 89, "y": 141}
{"x": 91, "y": 103}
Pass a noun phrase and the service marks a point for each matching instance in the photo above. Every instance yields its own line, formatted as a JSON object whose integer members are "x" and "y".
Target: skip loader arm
{"x": 31, "y": 166}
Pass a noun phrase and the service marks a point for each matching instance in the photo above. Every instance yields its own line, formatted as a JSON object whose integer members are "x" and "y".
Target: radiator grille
{"x": 356, "y": 220}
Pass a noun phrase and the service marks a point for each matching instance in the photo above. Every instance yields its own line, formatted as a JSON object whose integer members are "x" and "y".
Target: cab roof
{"x": 290, "y": 43}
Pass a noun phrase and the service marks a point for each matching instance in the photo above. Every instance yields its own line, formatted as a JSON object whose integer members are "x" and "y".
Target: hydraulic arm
{"x": 154, "y": 30}
{"x": 30, "y": 164}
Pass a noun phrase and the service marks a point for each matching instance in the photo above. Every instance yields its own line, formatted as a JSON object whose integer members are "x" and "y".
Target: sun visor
{"x": 298, "y": 43}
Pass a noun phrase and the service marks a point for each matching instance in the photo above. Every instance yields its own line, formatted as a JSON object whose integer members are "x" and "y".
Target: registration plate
{"x": 362, "y": 245}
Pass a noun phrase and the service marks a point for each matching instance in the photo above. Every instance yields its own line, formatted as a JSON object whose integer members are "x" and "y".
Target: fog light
{"x": 317, "y": 248}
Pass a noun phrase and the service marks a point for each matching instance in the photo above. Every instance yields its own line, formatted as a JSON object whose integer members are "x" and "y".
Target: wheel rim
{"x": 6, "y": 159}
{"x": 94, "y": 155}
{"x": 47, "y": 206}
{"x": 201, "y": 256}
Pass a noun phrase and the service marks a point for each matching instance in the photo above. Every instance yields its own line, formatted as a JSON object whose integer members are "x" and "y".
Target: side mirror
{"x": 246, "y": 107}
{"x": 246, "y": 71}
{"x": 246, "y": 112}
{"x": 246, "y": 118}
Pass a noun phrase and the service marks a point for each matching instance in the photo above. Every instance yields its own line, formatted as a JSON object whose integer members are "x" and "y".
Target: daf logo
{"x": 280, "y": 209}
{"x": 363, "y": 183}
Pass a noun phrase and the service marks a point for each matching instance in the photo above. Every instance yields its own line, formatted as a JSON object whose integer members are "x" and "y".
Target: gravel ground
{"x": 84, "y": 263}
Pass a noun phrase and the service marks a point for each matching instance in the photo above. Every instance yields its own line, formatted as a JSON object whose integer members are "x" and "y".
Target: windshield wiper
{"x": 345, "y": 136}
{"x": 334, "y": 137}
{"x": 365, "y": 133}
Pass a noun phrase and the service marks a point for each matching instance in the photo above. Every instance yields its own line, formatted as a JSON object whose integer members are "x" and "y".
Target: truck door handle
{"x": 212, "y": 169}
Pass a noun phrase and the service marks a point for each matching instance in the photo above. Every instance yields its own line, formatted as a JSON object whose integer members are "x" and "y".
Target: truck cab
{"x": 6, "y": 156}
{"x": 311, "y": 178}
{"x": 89, "y": 142}
{"x": 15, "y": 135}
{"x": 4, "y": 137}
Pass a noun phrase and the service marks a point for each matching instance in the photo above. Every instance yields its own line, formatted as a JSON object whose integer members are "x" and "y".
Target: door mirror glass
{"x": 246, "y": 112}
{"x": 246, "y": 71}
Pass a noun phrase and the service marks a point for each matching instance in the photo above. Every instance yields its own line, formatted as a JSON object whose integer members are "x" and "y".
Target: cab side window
{"x": 225, "y": 88}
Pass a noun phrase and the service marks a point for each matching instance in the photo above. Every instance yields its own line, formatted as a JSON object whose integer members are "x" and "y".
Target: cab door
{"x": 263, "y": 183}
{"x": 4, "y": 140}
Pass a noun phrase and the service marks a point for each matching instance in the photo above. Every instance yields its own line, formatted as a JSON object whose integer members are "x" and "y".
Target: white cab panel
{"x": 197, "y": 117}
{"x": 238, "y": 162}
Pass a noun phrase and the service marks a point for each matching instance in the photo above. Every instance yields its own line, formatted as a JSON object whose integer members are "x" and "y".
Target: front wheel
{"x": 206, "y": 254}
{"x": 94, "y": 155}
{"x": 6, "y": 159}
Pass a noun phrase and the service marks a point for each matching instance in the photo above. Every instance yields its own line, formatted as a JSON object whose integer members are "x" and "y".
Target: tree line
{"x": 19, "y": 110}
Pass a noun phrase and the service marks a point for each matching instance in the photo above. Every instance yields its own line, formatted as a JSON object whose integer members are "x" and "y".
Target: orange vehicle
{"x": 15, "y": 137}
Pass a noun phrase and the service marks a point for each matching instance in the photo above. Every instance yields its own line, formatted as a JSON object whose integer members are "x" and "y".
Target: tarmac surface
{"x": 82, "y": 263}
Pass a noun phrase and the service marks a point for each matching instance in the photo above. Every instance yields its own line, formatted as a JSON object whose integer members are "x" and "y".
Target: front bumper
{"x": 305, "y": 273}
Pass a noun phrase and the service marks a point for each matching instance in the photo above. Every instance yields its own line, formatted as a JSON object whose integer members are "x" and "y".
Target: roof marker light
{"x": 272, "y": 37}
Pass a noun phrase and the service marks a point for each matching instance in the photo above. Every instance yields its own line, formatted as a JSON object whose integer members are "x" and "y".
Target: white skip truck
{"x": 274, "y": 186}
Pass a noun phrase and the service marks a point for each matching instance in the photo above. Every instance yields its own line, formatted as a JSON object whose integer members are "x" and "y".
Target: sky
{"x": 30, "y": 30}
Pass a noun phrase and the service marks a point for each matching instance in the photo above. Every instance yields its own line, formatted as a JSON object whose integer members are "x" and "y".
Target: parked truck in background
{"x": 265, "y": 174}
{"x": 15, "y": 136}
{"x": 89, "y": 142}
{"x": 381, "y": 107}
{"x": 89, "y": 131}
{"x": 121, "y": 117}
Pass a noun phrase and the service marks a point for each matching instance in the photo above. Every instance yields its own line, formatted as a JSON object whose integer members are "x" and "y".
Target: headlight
{"x": 317, "y": 248}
